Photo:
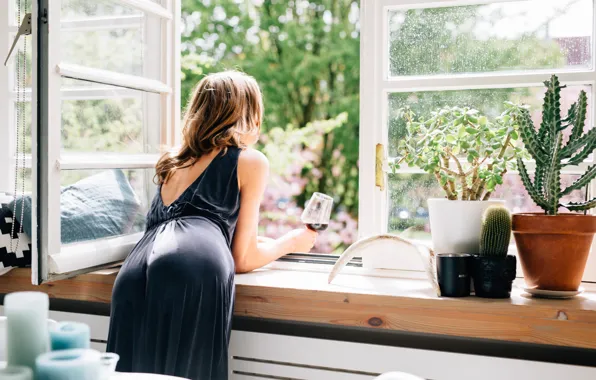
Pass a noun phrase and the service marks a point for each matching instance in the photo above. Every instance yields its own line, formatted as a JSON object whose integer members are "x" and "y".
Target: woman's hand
{"x": 302, "y": 240}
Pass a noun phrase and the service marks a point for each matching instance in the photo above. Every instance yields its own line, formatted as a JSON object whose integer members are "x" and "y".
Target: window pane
{"x": 24, "y": 175}
{"x": 408, "y": 210}
{"x": 20, "y": 63}
{"x": 13, "y": 7}
{"x": 108, "y": 202}
{"x": 539, "y": 34}
{"x": 24, "y": 128}
{"x": 110, "y": 119}
{"x": 77, "y": 9}
{"x": 119, "y": 38}
{"x": 488, "y": 101}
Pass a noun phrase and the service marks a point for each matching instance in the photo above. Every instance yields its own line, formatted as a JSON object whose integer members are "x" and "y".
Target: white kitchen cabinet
{"x": 256, "y": 356}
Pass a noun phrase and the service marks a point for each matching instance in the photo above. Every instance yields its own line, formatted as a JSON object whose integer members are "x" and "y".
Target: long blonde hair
{"x": 223, "y": 107}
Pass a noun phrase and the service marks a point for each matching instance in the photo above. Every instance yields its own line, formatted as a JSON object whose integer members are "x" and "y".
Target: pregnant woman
{"x": 173, "y": 299}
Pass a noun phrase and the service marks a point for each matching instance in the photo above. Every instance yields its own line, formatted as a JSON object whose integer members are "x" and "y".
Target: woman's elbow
{"x": 241, "y": 267}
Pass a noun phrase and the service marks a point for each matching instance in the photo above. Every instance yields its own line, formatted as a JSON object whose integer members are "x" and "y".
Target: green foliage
{"x": 496, "y": 232}
{"x": 466, "y": 152}
{"x": 285, "y": 144}
{"x": 548, "y": 149}
{"x": 104, "y": 125}
{"x": 415, "y": 38}
{"x": 305, "y": 56}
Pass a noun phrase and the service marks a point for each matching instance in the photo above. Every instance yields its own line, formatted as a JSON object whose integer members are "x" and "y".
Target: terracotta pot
{"x": 553, "y": 249}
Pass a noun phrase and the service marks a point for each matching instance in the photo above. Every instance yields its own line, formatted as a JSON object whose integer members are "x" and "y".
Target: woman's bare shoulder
{"x": 250, "y": 156}
{"x": 252, "y": 166}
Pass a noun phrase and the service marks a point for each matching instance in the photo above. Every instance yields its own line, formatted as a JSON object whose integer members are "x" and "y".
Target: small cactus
{"x": 496, "y": 232}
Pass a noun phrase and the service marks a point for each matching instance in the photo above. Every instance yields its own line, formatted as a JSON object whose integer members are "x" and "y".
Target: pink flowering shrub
{"x": 289, "y": 152}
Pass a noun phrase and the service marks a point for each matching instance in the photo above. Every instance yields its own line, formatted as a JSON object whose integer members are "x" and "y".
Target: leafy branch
{"x": 466, "y": 152}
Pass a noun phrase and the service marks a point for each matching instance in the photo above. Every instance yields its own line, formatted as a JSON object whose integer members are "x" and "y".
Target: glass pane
{"x": 77, "y": 9}
{"x": 539, "y": 34}
{"x": 24, "y": 175}
{"x": 490, "y": 102}
{"x": 15, "y": 10}
{"x": 20, "y": 63}
{"x": 118, "y": 38}
{"x": 110, "y": 119}
{"x": 408, "y": 210}
{"x": 24, "y": 128}
{"x": 107, "y": 202}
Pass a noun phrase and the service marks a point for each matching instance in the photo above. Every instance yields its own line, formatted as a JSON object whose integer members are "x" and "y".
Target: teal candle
{"x": 75, "y": 364}
{"x": 16, "y": 373}
{"x": 26, "y": 327}
{"x": 68, "y": 335}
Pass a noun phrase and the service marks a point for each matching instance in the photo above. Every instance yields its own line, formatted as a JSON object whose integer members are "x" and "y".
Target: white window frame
{"x": 375, "y": 85}
{"x": 51, "y": 259}
{"x": 6, "y": 137}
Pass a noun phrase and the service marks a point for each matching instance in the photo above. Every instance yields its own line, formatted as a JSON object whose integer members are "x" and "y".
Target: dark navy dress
{"x": 173, "y": 299}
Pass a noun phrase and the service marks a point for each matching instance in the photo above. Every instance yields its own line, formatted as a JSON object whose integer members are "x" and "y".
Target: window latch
{"x": 24, "y": 30}
{"x": 380, "y": 164}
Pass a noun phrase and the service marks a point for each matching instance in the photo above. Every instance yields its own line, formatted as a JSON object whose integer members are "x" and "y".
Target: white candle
{"x": 74, "y": 364}
{"x": 67, "y": 335}
{"x": 27, "y": 327}
{"x": 16, "y": 373}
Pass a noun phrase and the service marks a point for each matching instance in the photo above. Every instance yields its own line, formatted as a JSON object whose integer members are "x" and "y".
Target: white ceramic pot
{"x": 455, "y": 225}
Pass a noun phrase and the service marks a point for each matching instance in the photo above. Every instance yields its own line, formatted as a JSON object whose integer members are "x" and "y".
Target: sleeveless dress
{"x": 173, "y": 299}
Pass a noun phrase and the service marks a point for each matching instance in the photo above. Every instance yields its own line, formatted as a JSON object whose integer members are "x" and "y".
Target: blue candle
{"x": 67, "y": 335}
{"x": 16, "y": 373}
{"x": 26, "y": 327}
{"x": 75, "y": 364}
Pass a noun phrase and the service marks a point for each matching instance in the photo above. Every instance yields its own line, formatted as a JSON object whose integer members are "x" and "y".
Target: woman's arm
{"x": 250, "y": 251}
{"x": 264, "y": 239}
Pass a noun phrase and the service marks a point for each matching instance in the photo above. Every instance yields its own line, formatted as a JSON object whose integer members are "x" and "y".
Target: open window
{"x": 430, "y": 54}
{"x": 106, "y": 103}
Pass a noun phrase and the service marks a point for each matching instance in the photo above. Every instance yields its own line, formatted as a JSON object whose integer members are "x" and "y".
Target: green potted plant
{"x": 553, "y": 247}
{"x": 493, "y": 271}
{"x": 468, "y": 154}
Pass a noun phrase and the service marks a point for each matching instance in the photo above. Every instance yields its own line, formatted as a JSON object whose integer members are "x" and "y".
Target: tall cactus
{"x": 496, "y": 232}
{"x": 551, "y": 153}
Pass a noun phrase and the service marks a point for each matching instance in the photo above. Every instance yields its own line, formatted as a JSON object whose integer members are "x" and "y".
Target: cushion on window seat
{"x": 99, "y": 206}
{"x": 15, "y": 256}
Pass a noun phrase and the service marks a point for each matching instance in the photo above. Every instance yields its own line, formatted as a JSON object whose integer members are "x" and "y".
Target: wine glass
{"x": 317, "y": 212}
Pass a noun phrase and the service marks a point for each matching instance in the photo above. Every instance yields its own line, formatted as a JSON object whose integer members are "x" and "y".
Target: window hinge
{"x": 24, "y": 30}
{"x": 380, "y": 163}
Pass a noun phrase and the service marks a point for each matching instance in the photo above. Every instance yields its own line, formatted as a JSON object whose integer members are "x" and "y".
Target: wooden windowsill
{"x": 373, "y": 302}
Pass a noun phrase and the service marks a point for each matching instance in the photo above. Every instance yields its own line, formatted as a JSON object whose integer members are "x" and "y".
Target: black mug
{"x": 453, "y": 274}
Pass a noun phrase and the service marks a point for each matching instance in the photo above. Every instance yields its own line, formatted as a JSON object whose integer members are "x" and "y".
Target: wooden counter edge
{"x": 553, "y": 323}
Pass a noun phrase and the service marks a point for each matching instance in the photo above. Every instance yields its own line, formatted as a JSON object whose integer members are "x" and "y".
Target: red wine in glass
{"x": 317, "y": 212}
{"x": 317, "y": 226}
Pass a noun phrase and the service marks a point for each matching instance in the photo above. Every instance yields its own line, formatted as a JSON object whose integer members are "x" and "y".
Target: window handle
{"x": 380, "y": 164}
{"x": 24, "y": 30}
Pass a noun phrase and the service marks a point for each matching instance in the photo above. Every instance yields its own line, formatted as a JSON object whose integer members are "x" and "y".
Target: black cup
{"x": 453, "y": 274}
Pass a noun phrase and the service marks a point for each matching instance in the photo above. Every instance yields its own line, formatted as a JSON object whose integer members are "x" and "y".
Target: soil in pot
{"x": 553, "y": 249}
{"x": 493, "y": 276}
